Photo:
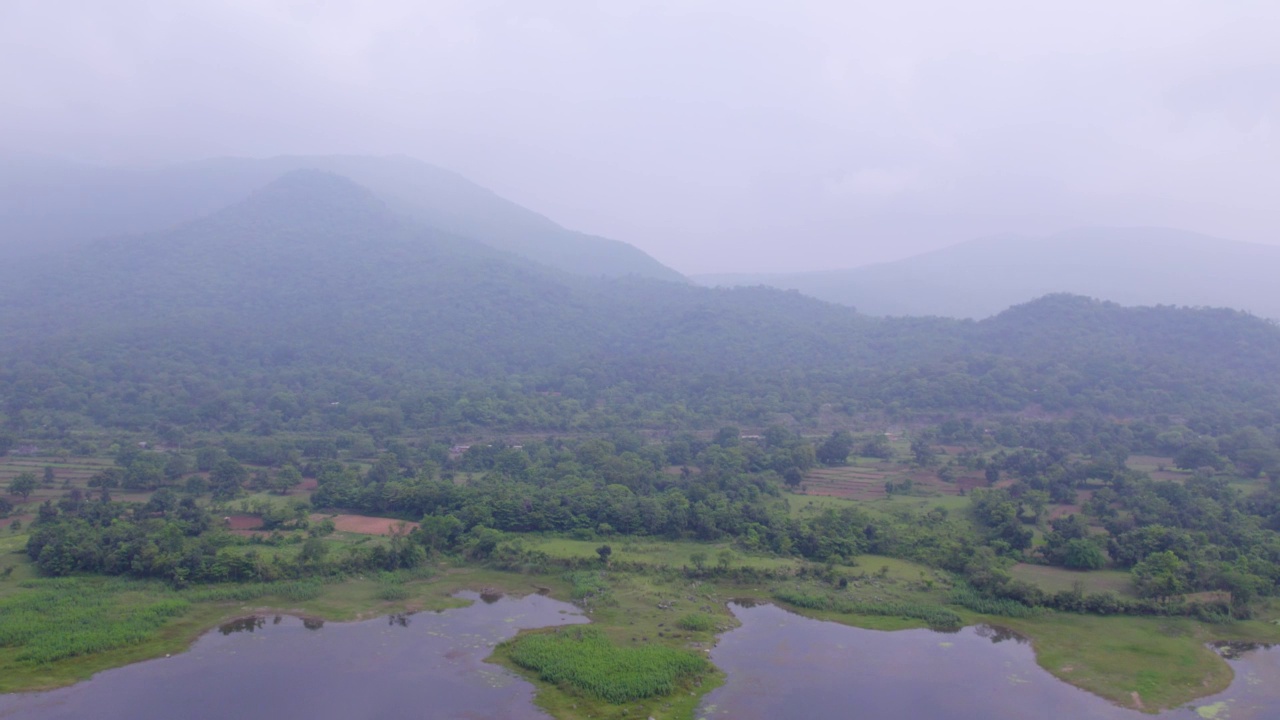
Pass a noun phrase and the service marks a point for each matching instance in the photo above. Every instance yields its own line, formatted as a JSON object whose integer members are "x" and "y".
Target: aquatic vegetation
{"x": 391, "y": 588}
{"x": 936, "y": 617}
{"x": 584, "y": 660}
{"x": 587, "y": 584}
{"x": 70, "y": 617}
{"x": 966, "y": 597}
{"x": 1215, "y": 711}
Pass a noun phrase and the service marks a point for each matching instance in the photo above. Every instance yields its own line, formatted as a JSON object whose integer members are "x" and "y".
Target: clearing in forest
{"x": 1055, "y": 579}
{"x": 365, "y": 525}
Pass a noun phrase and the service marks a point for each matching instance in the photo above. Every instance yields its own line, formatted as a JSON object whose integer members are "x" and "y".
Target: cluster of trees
{"x": 176, "y": 539}
{"x": 1175, "y": 537}
{"x": 671, "y": 359}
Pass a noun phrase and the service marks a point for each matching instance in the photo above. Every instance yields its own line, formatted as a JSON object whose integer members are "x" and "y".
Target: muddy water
{"x": 781, "y": 666}
{"x": 426, "y": 665}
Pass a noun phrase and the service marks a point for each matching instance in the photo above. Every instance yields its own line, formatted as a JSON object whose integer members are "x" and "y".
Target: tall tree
{"x": 24, "y": 484}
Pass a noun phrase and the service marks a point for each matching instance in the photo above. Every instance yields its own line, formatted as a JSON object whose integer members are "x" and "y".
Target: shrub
{"x": 965, "y": 596}
{"x": 696, "y": 622}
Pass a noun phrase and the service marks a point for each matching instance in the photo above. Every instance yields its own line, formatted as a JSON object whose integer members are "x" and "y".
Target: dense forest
{"x": 311, "y": 307}
{"x": 310, "y": 331}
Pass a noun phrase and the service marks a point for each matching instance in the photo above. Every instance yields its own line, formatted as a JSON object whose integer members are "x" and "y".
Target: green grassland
{"x": 673, "y": 554}
{"x": 1056, "y": 579}
{"x": 1147, "y": 663}
{"x": 584, "y": 661}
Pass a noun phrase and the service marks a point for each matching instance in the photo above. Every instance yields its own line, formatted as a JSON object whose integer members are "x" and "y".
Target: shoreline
{"x": 1057, "y": 640}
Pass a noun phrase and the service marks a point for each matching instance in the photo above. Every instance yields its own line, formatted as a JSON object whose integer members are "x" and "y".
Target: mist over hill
{"x": 1130, "y": 266}
{"x": 313, "y": 304}
{"x": 48, "y": 203}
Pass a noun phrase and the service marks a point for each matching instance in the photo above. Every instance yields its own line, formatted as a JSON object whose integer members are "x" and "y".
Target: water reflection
{"x": 426, "y": 665}
{"x": 781, "y": 666}
{"x": 998, "y": 634}
{"x": 1236, "y": 649}
{"x": 244, "y": 624}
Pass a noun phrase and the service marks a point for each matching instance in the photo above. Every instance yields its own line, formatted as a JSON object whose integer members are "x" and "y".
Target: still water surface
{"x": 781, "y": 666}
{"x": 426, "y": 665}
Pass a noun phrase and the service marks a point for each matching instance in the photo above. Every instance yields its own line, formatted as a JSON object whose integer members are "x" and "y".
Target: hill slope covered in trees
{"x": 313, "y": 305}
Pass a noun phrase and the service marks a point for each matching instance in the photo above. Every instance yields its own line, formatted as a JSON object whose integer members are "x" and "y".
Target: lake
{"x": 271, "y": 667}
{"x": 781, "y": 666}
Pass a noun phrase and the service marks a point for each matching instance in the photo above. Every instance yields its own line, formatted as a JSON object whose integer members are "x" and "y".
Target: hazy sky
{"x": 717, "y": 135}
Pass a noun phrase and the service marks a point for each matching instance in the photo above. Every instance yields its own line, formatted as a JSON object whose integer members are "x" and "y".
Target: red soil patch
{"x": 363, "y": 524}
{"x": 244, "y": 522}
{"x": 307, "y": 485}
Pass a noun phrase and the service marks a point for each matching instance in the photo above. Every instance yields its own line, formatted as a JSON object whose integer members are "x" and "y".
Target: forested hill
{"x": 45, "y": 202}
{"x": 979, "y": 278}
{"x": 313, "y": 305}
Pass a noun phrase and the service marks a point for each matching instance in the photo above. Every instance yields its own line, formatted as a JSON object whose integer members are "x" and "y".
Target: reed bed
{"x": 73, "y": 617}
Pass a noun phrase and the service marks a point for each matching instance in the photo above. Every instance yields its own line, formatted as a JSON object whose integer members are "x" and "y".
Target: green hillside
{"x": 313, "y": 305}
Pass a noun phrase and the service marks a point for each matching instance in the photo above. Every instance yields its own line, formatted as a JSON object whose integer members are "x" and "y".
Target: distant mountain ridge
{"x": 48, "y": 203}
{"x": 314, "y": 297}
{"x": 980, "y": 278}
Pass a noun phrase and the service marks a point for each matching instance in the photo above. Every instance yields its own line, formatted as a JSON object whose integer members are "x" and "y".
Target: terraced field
{"x": 67, "y": 472}
{"x": 868, "y": 483}
{"x": 859, "y": 483}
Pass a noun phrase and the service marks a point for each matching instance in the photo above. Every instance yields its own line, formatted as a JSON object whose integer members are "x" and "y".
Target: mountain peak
{"x": 44, "y": 204}
{"x": 308, "y": 198}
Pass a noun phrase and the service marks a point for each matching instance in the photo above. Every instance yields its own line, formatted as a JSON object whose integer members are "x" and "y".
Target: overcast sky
{"x": 733, "y": 135}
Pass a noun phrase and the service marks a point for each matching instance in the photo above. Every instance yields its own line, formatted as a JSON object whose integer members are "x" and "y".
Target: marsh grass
{"x": 584, "y": 660}
{"x": 69, "y": 617}
{"x": 968, "y": 598}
